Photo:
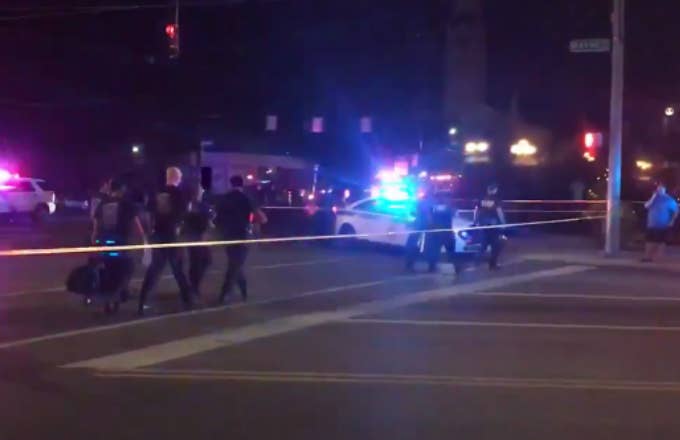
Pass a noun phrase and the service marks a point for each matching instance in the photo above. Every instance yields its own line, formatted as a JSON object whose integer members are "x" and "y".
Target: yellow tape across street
{"x": 135, "y": 247}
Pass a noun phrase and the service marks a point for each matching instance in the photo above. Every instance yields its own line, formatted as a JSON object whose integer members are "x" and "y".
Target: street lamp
{"x": 669, "y": 111}
{"x": 136, "y": 149}
{"x": 453, "y": 131}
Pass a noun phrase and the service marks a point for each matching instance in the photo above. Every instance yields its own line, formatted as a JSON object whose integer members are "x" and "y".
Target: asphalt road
{"x": 343, "y": 344}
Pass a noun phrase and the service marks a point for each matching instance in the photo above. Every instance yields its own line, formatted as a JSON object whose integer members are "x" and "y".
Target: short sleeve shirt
{"x": 114, "y": 218}
{"x": 168, "y": 207}
{"x": 660, "y": 213}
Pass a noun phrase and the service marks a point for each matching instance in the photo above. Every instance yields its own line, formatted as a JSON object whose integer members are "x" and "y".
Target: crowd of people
{"x": 176, "y": 216}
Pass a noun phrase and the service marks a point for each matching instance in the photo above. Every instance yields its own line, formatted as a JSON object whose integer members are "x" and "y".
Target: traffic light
{"x": 591, "y": 142}
{"x": 172, "y": 34}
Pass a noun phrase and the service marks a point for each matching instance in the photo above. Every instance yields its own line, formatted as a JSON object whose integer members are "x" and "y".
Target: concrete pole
{"x": 613, "y": 233}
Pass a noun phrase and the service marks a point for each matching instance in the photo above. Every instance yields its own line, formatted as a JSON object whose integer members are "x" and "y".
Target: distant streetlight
{"x": 453, "y": 131}
{"x": 643, "y": 165}
{"x": 136, "y": 149}
{"x": 669, "y": 111}
{"x": 523, "y": 148}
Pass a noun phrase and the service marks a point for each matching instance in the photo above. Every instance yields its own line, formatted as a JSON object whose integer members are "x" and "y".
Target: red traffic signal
{"x": 592, "y": 139}
{"x": 172, "y": 32}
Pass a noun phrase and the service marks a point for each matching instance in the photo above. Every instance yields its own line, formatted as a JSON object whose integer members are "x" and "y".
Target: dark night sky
{"x": 72, "y": 81}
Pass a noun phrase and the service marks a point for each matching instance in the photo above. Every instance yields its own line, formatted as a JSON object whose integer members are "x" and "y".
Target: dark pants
{"x": 159, "y": 259}
{"x": 236, "y": 259}
{"x": 434, "y": 241}
{"x": 118, "y": 271}
{"x": 123, "y": 268}
{"x": 492, "y": 238}
{"x": 412, "y": 249}
{"x": 200, "y": 259}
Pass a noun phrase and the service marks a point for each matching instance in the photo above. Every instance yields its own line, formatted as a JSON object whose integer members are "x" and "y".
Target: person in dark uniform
{"x": 113, "y": 221}
{"x": 198, "y": 221}
{"x": 234, "y": 212}
{"x": 422, "y": 222}
{"x": 168, "y": 209}
{"x": 441, "y": 218}
{"x": 99, "y": 196}
{"x": 489, "y": 212}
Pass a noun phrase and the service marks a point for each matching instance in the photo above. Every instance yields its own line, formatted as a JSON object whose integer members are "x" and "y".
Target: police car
{"x": 388, "y": 222}
{"x": 25, "y": 195}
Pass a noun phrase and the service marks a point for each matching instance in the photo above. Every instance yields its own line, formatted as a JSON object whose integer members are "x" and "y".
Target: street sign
{"x": 590, "y": 45}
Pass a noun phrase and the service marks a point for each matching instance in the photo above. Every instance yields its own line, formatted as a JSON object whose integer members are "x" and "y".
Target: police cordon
{"x": 215, "y": 243}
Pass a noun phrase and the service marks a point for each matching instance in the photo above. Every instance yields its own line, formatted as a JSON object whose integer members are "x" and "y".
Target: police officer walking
{"x": 198, "y": 221}
{"x": 489, "y": 212}
{"x": 442, "y": 222}
{"x": 234, "y": 212}
{"x": 168, "y": 209}
{"x": 417, "y": 239}
{"x": 113, "y": 220}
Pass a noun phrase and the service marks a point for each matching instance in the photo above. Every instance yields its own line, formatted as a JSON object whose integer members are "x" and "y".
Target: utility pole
{"x": 613, "y": 233}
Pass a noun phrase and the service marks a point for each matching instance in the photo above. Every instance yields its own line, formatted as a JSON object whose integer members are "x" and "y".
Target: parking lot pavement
{"x": 338, "y": 344}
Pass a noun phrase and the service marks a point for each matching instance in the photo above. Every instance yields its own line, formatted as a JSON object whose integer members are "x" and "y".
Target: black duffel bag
{"x": 84, "y": 280}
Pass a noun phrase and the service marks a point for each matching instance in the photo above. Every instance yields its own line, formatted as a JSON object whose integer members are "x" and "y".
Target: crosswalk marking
{"x": 181, "y": 348}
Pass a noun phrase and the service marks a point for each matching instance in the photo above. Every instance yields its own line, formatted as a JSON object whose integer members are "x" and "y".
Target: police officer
{"x": 422, "y": 222}
{"x": 168, "y": 209}
{"x": 234, "y": 212}
{"x": 112, "y": 222}
{"x": 489, "y": 212}
{"x": 99, "y": 196}
{"x": 198, "y": 221}
{"x": 441, "y": 221}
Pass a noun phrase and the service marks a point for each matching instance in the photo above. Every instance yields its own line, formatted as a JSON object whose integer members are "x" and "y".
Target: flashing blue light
{"x": 110, "y": 242}
{"x": 114, "y": 254}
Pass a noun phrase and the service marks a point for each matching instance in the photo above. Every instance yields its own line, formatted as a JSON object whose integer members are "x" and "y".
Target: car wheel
{"x": 40, "y": 214}
{"x": 346, "y": 229}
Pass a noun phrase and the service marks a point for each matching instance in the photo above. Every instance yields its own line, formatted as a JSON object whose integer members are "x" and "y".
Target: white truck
{"x": 25, "y": 195}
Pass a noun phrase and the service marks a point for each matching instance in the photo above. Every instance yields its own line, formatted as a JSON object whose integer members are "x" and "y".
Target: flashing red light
{"x": 589, "y": 140}
{"x": 171, "y": 30}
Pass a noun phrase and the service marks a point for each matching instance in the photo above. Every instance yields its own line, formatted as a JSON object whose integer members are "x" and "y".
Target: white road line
{"x": 138, "y": 322}
{"x": 580, "y": 296}
{"x": 501, "y": 324}
{"x": 391, "y": 379}
{"x": 181, "y": 348}
{"x": 169, "y": 276}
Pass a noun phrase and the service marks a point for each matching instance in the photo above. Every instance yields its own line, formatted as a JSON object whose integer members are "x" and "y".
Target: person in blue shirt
{"x": 662, "y": 210}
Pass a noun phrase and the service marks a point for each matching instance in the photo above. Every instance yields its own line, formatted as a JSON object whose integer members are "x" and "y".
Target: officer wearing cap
{"x": 489, "y": 212}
